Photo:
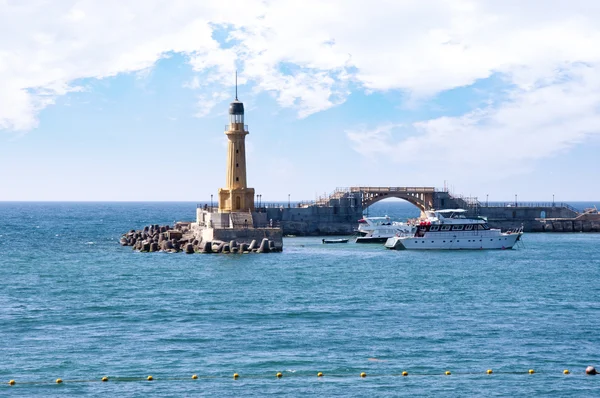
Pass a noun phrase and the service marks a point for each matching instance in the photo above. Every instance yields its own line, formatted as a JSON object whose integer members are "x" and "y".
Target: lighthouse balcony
{"x": 236, "y": 127}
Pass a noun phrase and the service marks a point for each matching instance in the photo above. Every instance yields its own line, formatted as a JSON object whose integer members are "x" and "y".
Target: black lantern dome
{"x": 236, "y": 108}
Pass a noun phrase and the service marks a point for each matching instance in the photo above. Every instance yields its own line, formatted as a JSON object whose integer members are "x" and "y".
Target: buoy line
{"x": 281, "y": 375}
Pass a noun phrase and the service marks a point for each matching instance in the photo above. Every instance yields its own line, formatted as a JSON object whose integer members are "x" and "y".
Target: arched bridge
{"x": 425, "y": 198}
{"x": 422, "y": 197}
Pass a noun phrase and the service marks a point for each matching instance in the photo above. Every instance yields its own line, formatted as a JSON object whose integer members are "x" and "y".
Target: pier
{"x": 337, "y": 213}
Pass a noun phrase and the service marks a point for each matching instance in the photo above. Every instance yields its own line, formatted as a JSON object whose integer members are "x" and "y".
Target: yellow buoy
{"x": 363, "y": 374}
{"x": 320, "y": 374}
{"x": 194, "y": 377}
{"x": 566, "y": 371}
{"x": 278, "y": 375}
{"x": 105, "y": 378}
{"x": 149, "y": 378}
{"x": 58, "y": 381}
{"x": 12, "y": 382}
{"x": 448, "y": 373}
{"x": 531, "y": 371}
{"x": 405, "y": 373}
{"x": 235, "y": 375}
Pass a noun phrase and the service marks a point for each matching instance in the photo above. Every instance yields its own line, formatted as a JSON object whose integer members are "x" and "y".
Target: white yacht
{"x": 379, "y": 229}
{"x": 450, "y": 229}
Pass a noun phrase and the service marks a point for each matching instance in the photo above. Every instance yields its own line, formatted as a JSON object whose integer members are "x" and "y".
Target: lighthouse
{"x": 236, "y": 226}
{"x": 236, "y": 196}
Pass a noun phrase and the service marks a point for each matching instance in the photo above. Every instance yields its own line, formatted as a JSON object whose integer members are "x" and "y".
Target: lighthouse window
{"x": 237, "y": 151}
{"x": 237, "y": 178}
{"x": 237, "y": 165}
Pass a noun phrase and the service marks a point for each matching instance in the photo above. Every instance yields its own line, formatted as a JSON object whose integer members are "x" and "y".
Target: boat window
{"x": 485, "y": 226}
{"x": 434, "y": 228}
{"x": 468, "y": 227}
{"x": 445, "y": 227}
{"x": 457, "y": 227}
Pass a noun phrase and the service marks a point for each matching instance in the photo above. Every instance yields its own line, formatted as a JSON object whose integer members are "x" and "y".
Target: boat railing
{"x": 517, "y": 230}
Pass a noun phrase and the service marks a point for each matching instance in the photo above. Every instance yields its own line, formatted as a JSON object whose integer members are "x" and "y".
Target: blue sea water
{"x": 75, "y": 305}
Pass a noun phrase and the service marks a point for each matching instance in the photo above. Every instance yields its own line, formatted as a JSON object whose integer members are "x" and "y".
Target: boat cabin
{"x": 448, "y": 221}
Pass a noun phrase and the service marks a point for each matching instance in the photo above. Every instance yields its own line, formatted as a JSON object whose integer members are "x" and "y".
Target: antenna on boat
{"x": 236, "y": 85}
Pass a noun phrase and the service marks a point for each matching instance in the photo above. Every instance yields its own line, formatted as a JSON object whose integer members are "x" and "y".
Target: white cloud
{"x": 304, "y": 53}
{"x": 206, "y": 103}
{"x": 52, "y": 44}
{"x": 500, "y": 140}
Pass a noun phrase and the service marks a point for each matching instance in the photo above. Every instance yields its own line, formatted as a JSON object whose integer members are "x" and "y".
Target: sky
{"x": 127, "y": 100}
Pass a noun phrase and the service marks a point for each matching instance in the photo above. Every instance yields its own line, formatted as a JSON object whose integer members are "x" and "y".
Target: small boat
{"x": 335, "y": 240}
{"x": 379, "y": 229}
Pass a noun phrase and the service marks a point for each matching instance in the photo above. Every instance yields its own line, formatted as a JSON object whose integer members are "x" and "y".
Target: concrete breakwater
{"x": 581, "y": 223}
{"x": 180, "y": 238}
{"x": 334, "y": 220}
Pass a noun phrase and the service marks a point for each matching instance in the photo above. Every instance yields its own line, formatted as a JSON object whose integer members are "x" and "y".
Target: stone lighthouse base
{"x": 241, "y": 227}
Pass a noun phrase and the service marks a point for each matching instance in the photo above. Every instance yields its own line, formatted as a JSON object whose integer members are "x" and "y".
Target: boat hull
{"x": 332, "y": 241}
{"x": 503, "y": 241}
{"x": 366, "y": 239}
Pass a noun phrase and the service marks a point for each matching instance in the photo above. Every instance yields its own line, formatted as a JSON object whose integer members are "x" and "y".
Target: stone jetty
{"x": 587, "y": 222}
{"x": 181, "y": 238}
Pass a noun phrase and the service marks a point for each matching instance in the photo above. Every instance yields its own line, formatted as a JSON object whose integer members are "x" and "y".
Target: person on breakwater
{"x": 590, "y": 370}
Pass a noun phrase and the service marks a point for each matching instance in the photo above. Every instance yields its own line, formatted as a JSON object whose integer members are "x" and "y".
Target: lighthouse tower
{"x": 236, "y": 196}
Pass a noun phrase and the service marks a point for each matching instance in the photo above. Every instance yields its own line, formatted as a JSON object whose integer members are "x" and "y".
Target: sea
{"x": 75, "y": 305}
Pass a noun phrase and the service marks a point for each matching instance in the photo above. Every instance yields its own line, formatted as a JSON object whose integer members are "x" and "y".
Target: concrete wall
{"x": 315, "y": 220}
{"x": 531, "y": 218}
{"x": 582, "y": 223}
{"x": 525, "y": 213}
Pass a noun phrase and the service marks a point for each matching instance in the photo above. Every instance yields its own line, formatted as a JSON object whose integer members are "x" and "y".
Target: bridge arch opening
{"x": 396, "y": 208}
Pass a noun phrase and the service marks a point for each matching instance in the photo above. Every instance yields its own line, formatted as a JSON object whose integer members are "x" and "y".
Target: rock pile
{"x": 577, "y": 225}
{"x": 155, "y": 238}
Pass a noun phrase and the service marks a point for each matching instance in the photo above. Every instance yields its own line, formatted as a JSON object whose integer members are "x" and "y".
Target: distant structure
{"x": 236, "y": 219}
